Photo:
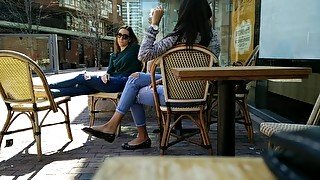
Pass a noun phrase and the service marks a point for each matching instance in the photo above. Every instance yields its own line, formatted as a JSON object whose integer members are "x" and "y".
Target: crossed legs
{"x": 136, "y": 93}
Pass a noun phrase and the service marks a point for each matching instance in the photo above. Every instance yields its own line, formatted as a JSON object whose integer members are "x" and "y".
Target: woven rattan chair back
{"x": 177, "y": 91}
{"x": 183, "y": 99}
{"x": 16, "y": 80}
{"x": 22, "y": 96}
{"x": 251, "y": 61}
{"x": 315, "y": 113}
{"x": 242, "y": 91}
{"x": 269, "y": 128}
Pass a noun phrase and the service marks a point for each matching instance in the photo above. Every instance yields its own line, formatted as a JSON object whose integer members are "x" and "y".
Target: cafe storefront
{"x": 286, "y": 38}
{"x": 244, "y": 24}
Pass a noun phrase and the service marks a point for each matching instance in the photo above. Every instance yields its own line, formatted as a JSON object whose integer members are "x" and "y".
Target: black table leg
{"x": 226, "y": 122}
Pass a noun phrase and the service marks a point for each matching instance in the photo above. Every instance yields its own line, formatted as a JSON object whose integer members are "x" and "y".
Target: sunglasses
{"x": 124, "y": 36}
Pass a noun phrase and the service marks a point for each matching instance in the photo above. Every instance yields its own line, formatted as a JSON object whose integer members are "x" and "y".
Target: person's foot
{"x": 105, "y": 128}
{"x": 133, "y": 145}
{"x": 138, "y": 140}
{"x": 109, "y": 137}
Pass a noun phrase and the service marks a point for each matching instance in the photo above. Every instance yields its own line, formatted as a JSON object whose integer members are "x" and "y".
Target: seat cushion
{"x": 269, "y": 128}
{"x": 106, "y": 95}
{"x": 182, "y": 109}
{"x": 42, "y": 104}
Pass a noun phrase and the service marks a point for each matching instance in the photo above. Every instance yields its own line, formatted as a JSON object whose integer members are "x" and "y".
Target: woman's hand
{"x": 157, "y": 15}
{"x": 105, "y": 78}
{"x": 159, "y": 81}
{"x": 149, "y": 65}
{"x": 86, "y": 76}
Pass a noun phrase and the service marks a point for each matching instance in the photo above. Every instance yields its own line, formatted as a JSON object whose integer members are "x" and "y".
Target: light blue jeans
{"x": 137, "y": 92}
{"x": 80, "y": 86}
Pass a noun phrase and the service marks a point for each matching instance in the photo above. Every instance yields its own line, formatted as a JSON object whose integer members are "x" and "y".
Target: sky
{"x": 147, "y": 5}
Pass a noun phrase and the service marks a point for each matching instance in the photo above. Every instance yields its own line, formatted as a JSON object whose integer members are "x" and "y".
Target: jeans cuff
{"x": 120, "y": 112}
{"x": 140, "y": 125}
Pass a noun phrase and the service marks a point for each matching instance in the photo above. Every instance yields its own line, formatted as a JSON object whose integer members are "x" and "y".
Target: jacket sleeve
{"x": 111, "y": 66}
{"x": 150, "y": 50}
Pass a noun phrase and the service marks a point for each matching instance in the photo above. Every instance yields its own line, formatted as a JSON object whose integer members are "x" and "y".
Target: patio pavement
{"x": 81, "y": 158}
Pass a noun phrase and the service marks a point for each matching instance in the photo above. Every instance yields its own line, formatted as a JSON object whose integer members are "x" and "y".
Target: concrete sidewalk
{"x": 81, "y": 158}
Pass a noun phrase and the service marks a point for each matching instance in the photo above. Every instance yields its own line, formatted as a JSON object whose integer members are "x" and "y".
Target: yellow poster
{"x": 242, "y": 24}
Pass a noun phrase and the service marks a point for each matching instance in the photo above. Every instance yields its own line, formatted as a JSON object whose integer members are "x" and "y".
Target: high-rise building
{"x": 132, "y": 16}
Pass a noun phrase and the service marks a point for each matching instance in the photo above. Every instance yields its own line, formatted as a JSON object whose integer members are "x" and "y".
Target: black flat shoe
{"x": 144, "y": 145}
{"x": 106, "y": 136}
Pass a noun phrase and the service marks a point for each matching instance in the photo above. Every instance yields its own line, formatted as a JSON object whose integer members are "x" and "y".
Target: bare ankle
{"x": 142, "y": 137}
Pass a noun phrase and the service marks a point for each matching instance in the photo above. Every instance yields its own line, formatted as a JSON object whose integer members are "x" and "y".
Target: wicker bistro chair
{"x": 184, "y": 99}
{"x": 93, "y": 100}
{"x": 20, "y": 96}
{"x": 242, "y": 91}
{"x": 269, "y": 128}
{"x": 103, "y": 96}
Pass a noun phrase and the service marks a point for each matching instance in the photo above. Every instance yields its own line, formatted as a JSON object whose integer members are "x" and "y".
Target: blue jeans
{"x": 137, "y": 92}
{"x": 80, "y": 86}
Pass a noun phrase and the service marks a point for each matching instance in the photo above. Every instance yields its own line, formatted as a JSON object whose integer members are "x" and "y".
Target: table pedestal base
{"x": 226, "y": 122}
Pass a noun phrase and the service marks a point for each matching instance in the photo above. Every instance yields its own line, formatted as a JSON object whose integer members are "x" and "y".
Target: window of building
{"x": 77, "y": 3}
{"x": 101, "y": 28}
{"x": 68, "y": 21}
{"x": 104, "y": 9}
{"x": 109, "y": 6}
{"x": 69, "y": 2}
{"x": 76, "y": 25}
{"x": 119, "y": 9}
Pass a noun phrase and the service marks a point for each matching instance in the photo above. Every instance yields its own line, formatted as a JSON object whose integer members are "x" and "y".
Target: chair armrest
{"x": 40, "y": 92}
{"x": 149, "y": 66}
{"x": 153, "y": 69}
{"x": 36, "y": 86}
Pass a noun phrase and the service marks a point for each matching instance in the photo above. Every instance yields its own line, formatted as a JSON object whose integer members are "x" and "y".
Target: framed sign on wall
{"x": 242, "y": 29}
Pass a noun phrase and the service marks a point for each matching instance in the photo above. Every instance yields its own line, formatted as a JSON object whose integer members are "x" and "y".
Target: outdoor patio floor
{"x": 81, "y": 158}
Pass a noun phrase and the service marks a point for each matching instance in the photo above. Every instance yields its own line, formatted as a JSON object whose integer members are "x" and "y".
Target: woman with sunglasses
{"x": 193, "y": 27}
{"x": 123, "y": 62}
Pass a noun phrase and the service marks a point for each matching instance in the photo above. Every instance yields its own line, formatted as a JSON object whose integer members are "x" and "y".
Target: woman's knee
{"x": 80, "y": 77}
{"x": 132, "y": 79}
{"x": 139, "y": 79}
{"x": 145, "y": 96}
{"x": 135, "y": 75}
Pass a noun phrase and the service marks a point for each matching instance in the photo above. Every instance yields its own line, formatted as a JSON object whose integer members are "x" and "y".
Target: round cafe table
{"x": 227, "y": 78}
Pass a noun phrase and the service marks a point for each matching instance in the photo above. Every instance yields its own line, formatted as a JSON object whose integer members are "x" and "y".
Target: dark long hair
{"x": 193, "y": 19}
{"x": 132, "y": 38}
